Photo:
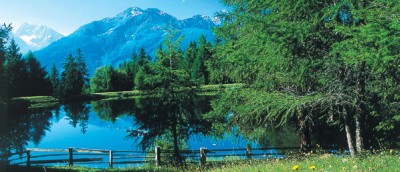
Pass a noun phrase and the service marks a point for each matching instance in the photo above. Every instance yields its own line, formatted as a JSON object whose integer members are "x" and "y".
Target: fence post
{"x": 28, "y": 158}
{"x": 71, "y": 158}
{"x": 111, "y": 161}
{"x": 248, "y": 151}
{"x": 203, "y": 157}
{"x": 158, "y": 154}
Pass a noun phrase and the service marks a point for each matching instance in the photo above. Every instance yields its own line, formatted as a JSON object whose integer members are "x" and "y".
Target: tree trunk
{"x": 348, "y": 132}
{"x": 305, "y": 140}
{"x": 360, "y": 109}
{"x": 359, "y": 138}
{"x": 176, "y": 146}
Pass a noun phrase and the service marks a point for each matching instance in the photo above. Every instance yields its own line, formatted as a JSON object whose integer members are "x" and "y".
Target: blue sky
{"x": 65, "y": 16}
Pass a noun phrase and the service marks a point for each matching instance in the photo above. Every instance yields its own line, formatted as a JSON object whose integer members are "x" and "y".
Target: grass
{"x": 36, "y": 99}
{"x": 379, "y": 161}
{"x": 46, "y": 101}
{"x": 324, "y": 162}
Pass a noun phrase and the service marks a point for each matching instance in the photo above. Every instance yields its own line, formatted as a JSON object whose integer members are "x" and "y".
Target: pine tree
{"x": 74, "y": 78}
{"x": 38, "y": 82}
{"x": 4, "y": 30}
{"x": 83, "y": 78}
{"x": 55, "y": 81}
{"x": 15, "y": 68}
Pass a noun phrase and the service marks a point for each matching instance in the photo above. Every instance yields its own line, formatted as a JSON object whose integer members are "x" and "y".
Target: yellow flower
{"x": 296, "y": 167}
{"x": 312, "y": 167}
{"x": 344, "y": 168}
{"x": 391, "y": 151}
{"x": 355, "y": 167}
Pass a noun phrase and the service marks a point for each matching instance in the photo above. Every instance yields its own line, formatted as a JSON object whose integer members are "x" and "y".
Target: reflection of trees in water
{"x": 19, "y": 125}
{"x": 165, "y": 120}
{"x": 109, "y": 110}
{"x": 78, "y": 113}
{"x": 283, "y": 136}
{"x": 168, "y": 120}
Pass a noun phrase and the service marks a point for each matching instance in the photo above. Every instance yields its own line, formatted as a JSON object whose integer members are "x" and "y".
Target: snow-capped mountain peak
{"x": 33, "y": 37}
{"x": 136, "y": 11}
{"x": 112, "y": 40}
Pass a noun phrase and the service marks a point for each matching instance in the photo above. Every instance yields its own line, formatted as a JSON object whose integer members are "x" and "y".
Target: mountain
{"x": 33, "y": 37}
{"x": 113, "y": 40}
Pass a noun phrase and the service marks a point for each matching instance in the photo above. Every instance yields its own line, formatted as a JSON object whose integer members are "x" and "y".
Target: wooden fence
{"x": 109, "y": 158}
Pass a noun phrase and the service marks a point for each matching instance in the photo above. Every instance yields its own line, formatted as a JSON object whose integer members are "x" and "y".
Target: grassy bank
{"x": 45, "y": 101}
{"x": 37, "y": 101}
{"x": 382, "y": 161}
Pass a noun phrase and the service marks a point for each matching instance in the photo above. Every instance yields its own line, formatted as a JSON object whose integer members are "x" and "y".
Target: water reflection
{"x": 110, "y": 110}
{"x": 170, "y": 123}
{"x": 153, "y": 121}
{"x": 20, "y": 125}
{"x": 78, "y": 113}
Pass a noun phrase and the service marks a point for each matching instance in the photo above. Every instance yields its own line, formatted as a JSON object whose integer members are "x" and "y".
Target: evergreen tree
{"x": 38, "y": 82}
{"x": 15, "y": 69}
{"x": 143, "y": 68}
{"x": 309, "y": 61}
{"x": 127, "y": 71}
{"x": 169, "y": 80}
{"x": 74, "y": 77}
{"x": 4, "y": 30}
{"x": 83, "y": 78}
{"x": 55, "y": 81}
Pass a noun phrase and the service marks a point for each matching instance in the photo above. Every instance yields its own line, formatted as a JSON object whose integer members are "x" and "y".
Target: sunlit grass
{"x": 36, "y": 99}
{"x": 383, "y": 161}
{"x": 379, "y": 161}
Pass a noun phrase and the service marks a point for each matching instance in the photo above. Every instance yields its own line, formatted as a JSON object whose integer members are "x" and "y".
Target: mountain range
{"x": 33, "y": 37}
{"x": 113, "y": 40}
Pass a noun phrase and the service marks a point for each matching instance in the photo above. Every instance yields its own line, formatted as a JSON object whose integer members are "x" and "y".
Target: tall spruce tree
{"x": 55, "y": 81}
{"x": 39, "y": 83}
{"x": 4, "y": 31}
{"x": 74, "y": 77}
{"x": 169, "y": 80}
{"x": 15, "y": 69}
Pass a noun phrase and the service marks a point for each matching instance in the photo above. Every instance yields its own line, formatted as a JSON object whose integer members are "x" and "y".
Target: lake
{"x": 126, "y": 124}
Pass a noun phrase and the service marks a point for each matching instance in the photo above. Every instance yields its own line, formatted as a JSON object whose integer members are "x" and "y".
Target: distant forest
{"x": 319, "y": 63}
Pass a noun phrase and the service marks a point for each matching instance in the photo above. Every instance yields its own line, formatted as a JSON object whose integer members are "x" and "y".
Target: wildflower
{"x": 355, "y": 167}
{"x": 391, "y": 151}
{"x": 344, "y": 168}
{"x": 312, "y": 167}
{"x": 296, "y": 167}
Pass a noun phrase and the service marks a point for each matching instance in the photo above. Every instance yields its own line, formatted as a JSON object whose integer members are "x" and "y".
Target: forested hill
{"x": 111, "y": 41}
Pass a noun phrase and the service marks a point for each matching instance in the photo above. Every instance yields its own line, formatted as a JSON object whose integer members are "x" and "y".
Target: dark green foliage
{"x": 74, "y": 77}
{"x": 15, "y": 69}
{"x": 39, "y": 83}
{"x": 318, "y": 60}
{"x": 101, "y": 80}
{"x": 78, "y": 113}
{"x": 4, "y": 30}
{"x": 55, "y": 81}
{"x": 142, "y": 67}
{"x": 19, "y": 76}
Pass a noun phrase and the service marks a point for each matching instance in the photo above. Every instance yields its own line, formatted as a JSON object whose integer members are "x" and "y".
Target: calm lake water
{"x": 129, "y": 124}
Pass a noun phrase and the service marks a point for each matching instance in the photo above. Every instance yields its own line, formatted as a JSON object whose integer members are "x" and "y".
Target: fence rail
{"x": 73, "y": 156}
